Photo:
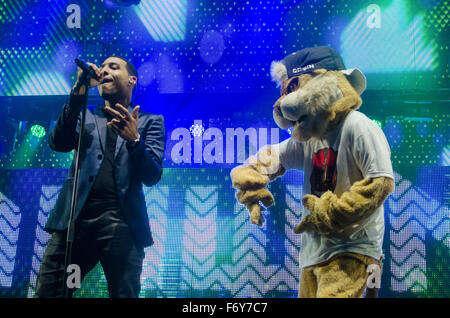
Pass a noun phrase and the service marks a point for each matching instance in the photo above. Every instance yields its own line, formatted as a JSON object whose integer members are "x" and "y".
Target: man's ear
{"x": 132, "y": 80}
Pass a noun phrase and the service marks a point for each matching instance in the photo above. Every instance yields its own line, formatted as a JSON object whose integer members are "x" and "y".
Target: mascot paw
{"x": 306, "y": 225}
{"x": 246, "y": 177}
{"x": 316, "y": 221}
{"x": 309, "y": 201}
{"x": 255, "y": 214}
{"x": 251, "y": 199}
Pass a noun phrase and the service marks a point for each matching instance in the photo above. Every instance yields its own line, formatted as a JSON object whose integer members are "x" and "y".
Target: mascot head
{"x": 317, "y": 91}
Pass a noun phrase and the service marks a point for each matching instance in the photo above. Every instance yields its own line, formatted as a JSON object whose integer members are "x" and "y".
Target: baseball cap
{"x": 309, "y": 59}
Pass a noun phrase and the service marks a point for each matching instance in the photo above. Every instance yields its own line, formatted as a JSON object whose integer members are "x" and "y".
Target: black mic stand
{"x": 85, "y": 80}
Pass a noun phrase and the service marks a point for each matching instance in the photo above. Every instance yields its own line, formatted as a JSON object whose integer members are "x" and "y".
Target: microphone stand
{"x": 85, "y": 80}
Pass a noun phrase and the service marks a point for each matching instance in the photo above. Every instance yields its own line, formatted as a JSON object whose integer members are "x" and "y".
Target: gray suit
{"x": 141, "y": 165}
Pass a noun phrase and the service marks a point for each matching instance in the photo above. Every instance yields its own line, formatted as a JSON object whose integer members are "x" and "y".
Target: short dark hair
{"x": 130, "y": 67}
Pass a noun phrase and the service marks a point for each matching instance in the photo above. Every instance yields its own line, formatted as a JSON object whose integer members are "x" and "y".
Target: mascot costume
{"x": 347, "y": 168}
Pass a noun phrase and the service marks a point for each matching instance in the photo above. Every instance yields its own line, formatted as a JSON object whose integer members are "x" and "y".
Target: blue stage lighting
{"x": 164, "y": 20}
{"x": 126, "y": 3}
{"x": 41, "y": 84}
{"x": 212, "y": 46}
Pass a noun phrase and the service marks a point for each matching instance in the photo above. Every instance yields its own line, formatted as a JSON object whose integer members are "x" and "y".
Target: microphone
{"x": 86, "y": 68}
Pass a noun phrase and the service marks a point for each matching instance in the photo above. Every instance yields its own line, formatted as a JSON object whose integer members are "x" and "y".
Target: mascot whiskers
{"x": 347, "y": 168}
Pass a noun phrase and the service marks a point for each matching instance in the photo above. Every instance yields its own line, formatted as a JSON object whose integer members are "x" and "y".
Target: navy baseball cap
{"x": 310, "y": 59}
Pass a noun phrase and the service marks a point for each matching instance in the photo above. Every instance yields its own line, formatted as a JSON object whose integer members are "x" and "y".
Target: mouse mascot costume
{"x": 347, "y": 168}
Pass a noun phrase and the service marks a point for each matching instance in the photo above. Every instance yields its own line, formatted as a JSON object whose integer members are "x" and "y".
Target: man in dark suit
{"x": 121, "y": 149}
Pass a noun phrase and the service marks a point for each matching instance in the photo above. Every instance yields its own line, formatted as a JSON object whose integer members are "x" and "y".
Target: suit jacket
{"x": 133, "y": 166}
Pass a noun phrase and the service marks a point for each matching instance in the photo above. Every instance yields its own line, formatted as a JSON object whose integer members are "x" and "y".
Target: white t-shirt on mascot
{"x": 354, "y": 150}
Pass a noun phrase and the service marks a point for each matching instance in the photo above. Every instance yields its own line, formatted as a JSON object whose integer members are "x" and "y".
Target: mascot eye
{"x": 293, "y": 85}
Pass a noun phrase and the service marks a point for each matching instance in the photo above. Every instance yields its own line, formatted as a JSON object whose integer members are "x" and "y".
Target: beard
{"x": 110, "y": 93}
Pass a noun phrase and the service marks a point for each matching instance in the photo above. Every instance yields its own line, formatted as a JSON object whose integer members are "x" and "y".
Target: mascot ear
{"x": 278, "y": 72}
{"x": 356, "y": 78}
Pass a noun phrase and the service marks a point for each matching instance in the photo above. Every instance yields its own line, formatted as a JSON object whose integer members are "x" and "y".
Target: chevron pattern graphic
{"x": 413, "y": 214}
{"x": 247, "y": 275}
{"x": 10, "y": 217}
{"x": 294, "y": 210}
{"x": 157, "y": 203}
{"x": 49, "y": 194}
{"x": 250, "y": 274}
{"x": 199, "y": 238}
{"x": 204, "y": 246}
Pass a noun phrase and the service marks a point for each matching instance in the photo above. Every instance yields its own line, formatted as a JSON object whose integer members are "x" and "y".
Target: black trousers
{"x": 102, "y": 236}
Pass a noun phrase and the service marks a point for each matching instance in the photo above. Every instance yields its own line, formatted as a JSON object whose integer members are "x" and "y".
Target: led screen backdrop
{"x": 205, "y": 66}
{"x": 219, "y": 46}
{"x": 205, "y": 246}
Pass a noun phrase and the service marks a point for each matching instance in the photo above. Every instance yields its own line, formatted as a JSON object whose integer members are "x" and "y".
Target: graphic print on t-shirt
{"x": 323, "y": 175}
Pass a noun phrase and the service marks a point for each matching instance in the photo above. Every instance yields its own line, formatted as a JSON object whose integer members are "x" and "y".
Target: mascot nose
{"x": 278, "y": 102}
{"x": 291, "y": 107}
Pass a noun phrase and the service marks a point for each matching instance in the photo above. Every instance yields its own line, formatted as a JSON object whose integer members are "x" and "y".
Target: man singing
{"x": 121, "y": 149}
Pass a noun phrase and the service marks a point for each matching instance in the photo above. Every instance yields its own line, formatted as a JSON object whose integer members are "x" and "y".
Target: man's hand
{"x": 81, "y": 90}
{"x": 123, "y": 122}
